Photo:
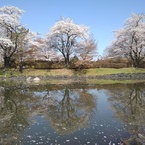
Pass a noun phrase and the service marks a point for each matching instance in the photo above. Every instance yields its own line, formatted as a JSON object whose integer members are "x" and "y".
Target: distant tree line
{"x": 64, "y": 41}
{"x": 70, "y": 44}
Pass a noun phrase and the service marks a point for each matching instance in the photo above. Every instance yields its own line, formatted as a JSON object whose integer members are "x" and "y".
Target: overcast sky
{"x": 102, "y": 16}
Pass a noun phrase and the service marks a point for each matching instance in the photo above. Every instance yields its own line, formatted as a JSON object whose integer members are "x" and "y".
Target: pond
{"x": 73, "y": 114}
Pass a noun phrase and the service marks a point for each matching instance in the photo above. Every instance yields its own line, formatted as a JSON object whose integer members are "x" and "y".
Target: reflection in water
{"x": 129, "y": 106}
{"x": 12, "y": 115}
{"x": 72, "y": 112}
{"x": 62, "y": 114}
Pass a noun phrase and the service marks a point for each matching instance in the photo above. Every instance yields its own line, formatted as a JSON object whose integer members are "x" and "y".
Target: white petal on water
{"x": 14, "y": 137}
{"x": 29, "y": 136}
{"x": 105, "y": 136}
{"x": 64, "y": 128}
{"x": 33, "y": 141}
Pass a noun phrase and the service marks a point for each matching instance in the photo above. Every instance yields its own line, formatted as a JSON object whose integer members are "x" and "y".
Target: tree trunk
{"x": 21, "y": 68}
{"x": 67, "y": 61}
{"x": 136, "y": 59}
{"x": 137, "y": 62}
{"x": 7, "y": 63}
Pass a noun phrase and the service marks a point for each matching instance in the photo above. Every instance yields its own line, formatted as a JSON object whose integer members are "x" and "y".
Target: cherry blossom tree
{"x": 65, "y": 36}
{"x": 130, "y": 41}
{"x": 13, "y": 34}
{"x": 42, "y": 51}
{"x": 27, "y": 49}
{"x": 87, "y": 50}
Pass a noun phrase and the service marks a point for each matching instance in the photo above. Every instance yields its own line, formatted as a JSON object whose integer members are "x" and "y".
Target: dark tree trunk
{"x": 7, "y": 63}
{"x": 66, "y": 60}
{"x": 136, "y": 59}
{"x": 137, "y": 62}
{"x": 21, "y": 68}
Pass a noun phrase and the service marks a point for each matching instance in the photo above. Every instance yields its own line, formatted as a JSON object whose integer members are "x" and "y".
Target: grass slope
{"x": 104, "y": 71}
{"x": 69, "y": 72}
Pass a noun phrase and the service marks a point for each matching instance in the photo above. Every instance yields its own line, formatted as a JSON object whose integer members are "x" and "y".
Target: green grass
{"x": 102, "y": 82}
{"x": 69, "y": 72}
{"x": 9, "y": 72}
{"x": 104, "y": 71}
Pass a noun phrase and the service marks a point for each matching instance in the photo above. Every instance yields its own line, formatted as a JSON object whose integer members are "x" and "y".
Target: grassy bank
{"x": 69, "y": 72}
{"x": 104, "y": 71}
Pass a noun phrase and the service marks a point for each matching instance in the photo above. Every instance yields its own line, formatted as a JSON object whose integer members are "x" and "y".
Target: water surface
{"x": 71, "y": 114}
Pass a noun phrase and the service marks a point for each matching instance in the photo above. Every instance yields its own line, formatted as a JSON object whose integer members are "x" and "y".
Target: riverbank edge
{"x": 121, "y": 76}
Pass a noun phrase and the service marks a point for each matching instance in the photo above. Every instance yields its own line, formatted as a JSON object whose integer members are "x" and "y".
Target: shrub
{"x": 110, "y": 64}
{"x": 80, "y": 64}
{"x": 40, "y": 64}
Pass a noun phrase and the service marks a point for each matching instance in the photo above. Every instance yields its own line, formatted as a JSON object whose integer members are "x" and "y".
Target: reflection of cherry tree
{"x": 66, "y": 109}
{"x": 86, "y": 101}
{"x": 13, "y": 114}
{"x": 129, "y": 106}
{"x": 71, "y": 112}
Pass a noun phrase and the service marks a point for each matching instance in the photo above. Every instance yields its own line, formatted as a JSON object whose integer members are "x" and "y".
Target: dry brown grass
{"x": 44, "y": 72}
